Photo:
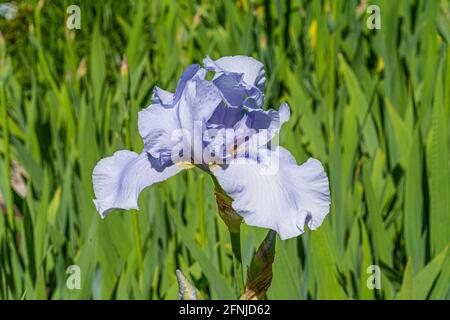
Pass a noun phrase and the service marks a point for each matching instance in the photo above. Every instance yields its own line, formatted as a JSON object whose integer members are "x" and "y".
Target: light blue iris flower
{"x": 219, "y": 127}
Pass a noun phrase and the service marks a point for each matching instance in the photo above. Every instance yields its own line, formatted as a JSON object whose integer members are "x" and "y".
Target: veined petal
{"x": 161, "y": 96}
{"x": 169, "y": 99}
{"x": 271, "y": 120}
{"x": 187, "y": 75}
{"x": 251, "y": 69}
{"x": 254, "y": 99}
{"x": 242, "y": 133}
{"x": 236, "y": 93}
{"x": 160, "y": 130}
{"x": 233, "y": 91}
{"x": 225, "y": 116}
{"x": 159, "y": 124}
{"x": 197, "y": 105}
{"x": 258, "y": 127}
{"x": 276, "y": 193}
{"x": 118, "y": 180}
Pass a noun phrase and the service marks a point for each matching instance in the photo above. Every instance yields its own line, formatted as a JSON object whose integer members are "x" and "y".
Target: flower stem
{"x": 137, "y": 239}
{"x": 237, "y": 261}
{"x": 233, "y": 222}
{"x": 201, "y": 212}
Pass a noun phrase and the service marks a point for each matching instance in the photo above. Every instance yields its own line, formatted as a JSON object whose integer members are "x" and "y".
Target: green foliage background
{"x": 372, "y": 105}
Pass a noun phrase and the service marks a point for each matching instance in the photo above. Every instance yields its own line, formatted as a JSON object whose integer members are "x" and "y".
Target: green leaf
{"x": 286, "y": 278}
{"x": 216, "y": 280}
{"x": 359, "y": 100}
{"x": 325, "y": 265}
{"x": 403, "y": 136}
{"x": 97, "y": 64}
{"x": 407, "y": 289}
{"x": 366, "y": 257}
{"x": 439, "y": 173}
{"x": 423, "y": 281}
{"x": 413, "y": 215}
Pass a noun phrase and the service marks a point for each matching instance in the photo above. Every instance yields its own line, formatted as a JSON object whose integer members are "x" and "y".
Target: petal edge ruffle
{"x": 118, "y": 180}
{"x": 283, "y": 200}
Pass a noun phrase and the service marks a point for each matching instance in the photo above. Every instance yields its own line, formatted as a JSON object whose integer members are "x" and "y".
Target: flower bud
{"x": 259, "y": 275}
{"x": 124, "y": 67}
{"x": 187, "y": 289}
{"x": 81, "y": 71}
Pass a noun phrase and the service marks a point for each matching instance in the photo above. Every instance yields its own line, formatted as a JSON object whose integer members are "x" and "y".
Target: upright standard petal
{"x": 266, "y": 124}
{"x": 188, "y": 74}
{"x": 169, "y": 99}
{"x": 159, "y": 128}
{"x": 225, "y": 117}
{"x": 274, "y": 192}
{"x": 197, "y": 105}
{"x": 251, "y": 69}
{"x": 119, "y": 179}
{"x": 235, "y": 132}
{"x": 237, "y": 93}
{"x": 161, "y": 96}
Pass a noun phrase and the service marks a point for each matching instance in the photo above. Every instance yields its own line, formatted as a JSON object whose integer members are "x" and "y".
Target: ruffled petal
{"x": 257, "y": 129}
{"x": 233, "y": 132}
{"x": 237, "y": 94}
{"x": 199, "y": 101}
{"x": 251, "y": 69}
{"x": 161, "y": 96}
{"x": 159, "y": 124}
{"x": 267, "y": 124}
{"x": 118, "y": 180}
{"x": 225, "y": 117}
{"x": 187, "y": 75}
{"x": 233, "y": 92}
{"x": 197, "y": 104}
{"x": 160, "y": 130}
{"x": 169, "y": 99}
{"x": 275, "y": 192}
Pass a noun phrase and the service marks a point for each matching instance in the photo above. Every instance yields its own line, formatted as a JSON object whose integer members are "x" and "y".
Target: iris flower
{"x": 219, "y": 126}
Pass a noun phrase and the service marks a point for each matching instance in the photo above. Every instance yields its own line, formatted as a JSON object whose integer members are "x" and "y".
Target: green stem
{"x": 233, "y": 222}
{"x": 201, "y": 213}
{"x": 237, "y": 261}
{"x": 137, "y": 239}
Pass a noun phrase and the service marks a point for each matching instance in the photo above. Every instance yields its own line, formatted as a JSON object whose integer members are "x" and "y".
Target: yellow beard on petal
{"x": 237, "y": 149}
{"x": 213, "y": 165}
{"x": 185, "y": 164}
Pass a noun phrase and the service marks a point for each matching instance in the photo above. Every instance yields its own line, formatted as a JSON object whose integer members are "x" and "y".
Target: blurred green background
{"x": 372, "y": 105}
